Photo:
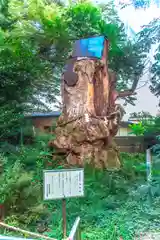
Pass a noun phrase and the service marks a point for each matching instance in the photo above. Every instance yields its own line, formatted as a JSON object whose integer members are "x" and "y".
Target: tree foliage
{"x": 150, "y": 38}
{"x": 35, "y": 40}
{"x": 137, "y": 129}
{"x": 143, "y": 4}
{"x": 140, "y": 116}
{"x": 148, "y": 126}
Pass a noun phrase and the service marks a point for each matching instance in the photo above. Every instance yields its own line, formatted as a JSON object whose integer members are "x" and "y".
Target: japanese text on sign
{"x": 66, "y": 183}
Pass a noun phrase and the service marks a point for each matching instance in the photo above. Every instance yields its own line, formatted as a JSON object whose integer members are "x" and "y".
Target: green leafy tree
{"x": 26, "y": 75}
{"x": 141, "y": 116}
{"x": 139, "y": 4}
{"x": 148, "y": 125}
{"x": 36, "y": 39}
{"x": 137, "y": 129}
{"x": 149, "y": 39}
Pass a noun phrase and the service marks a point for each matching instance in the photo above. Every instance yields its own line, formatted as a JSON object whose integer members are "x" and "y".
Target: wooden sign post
{"x": 64, "y": 217}
{"x": 63, "y": 184}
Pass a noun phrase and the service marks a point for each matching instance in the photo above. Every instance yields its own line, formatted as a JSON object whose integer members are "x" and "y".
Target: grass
{"x": 112, "y": 208}
{"x": 116, "y": 205}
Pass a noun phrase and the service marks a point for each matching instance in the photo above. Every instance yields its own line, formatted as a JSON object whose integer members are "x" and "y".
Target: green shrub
{"x": 112, "y": 205}
{"x": 19, "y": 193}
{"x": 133, "y": 165}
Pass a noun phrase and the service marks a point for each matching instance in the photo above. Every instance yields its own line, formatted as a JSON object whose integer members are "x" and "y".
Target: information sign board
{"x": 63, "y": 183}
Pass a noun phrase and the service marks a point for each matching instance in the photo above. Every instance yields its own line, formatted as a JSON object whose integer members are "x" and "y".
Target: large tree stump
{"x": 90, "y": 117}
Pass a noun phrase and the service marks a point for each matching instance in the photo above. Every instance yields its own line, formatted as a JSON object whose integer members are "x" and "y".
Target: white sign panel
{"x": 63, "y": 183}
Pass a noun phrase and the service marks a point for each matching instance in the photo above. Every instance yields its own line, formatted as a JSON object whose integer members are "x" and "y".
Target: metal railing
{"x": 75, "y": 233}
{"x": 13, "y": 238}
{"x": 16, "y": 229}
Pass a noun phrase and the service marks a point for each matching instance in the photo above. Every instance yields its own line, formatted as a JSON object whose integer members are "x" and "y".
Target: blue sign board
{"x": 89, "y": 47}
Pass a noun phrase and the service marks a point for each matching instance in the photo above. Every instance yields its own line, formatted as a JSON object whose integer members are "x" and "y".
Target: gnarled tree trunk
{"x": 90, "y": 117}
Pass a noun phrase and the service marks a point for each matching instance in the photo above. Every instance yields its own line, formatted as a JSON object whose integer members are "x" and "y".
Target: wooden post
{"x": 21, "y": 136}
{"x": 1, "y": 211}
{"x": 64, "y": 221}
{"x": 78, "y": 233}
{"x": 34, "y": 132}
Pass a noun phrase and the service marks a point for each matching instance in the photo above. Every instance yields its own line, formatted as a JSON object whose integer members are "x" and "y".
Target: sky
{"x": 137, "y": 18}
{"x": 146, "y": 101}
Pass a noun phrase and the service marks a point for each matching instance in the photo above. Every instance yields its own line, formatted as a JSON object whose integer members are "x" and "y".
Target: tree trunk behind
{"x": 90, "y": 119}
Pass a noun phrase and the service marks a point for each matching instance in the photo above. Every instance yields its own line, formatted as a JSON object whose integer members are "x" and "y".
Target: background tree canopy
{"x": 35, "y": 40}
{"x": 139, "y": 116}
{"x": 149, "y": 37}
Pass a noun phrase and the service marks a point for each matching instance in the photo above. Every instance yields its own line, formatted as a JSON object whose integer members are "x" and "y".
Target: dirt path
{"x": 149, "y": 236}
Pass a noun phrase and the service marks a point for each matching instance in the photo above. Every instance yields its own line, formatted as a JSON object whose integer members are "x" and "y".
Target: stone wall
{"x": 131, "y": 144}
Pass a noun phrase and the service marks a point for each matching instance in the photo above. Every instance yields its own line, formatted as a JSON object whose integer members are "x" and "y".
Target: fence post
{"x": 75, "y": 233}
{"x": 149, "y": 164}
{"x": 79, "y": 233}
